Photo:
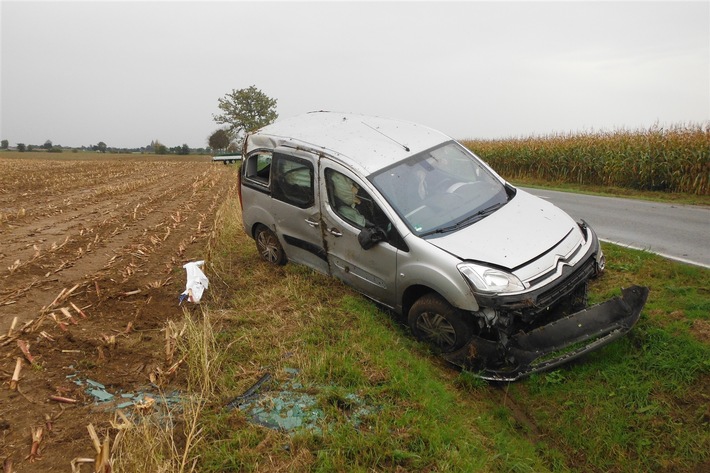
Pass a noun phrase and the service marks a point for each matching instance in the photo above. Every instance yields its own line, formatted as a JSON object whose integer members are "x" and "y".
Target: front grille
{"x": 553, "y": 270}
{"x": 580, "y": 275}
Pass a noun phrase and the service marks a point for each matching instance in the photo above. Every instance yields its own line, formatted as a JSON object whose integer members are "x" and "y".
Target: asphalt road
{"x": 679, "y": 232}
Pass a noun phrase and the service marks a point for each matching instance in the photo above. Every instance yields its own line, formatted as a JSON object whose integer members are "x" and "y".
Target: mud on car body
{"x": 492, "y": 277}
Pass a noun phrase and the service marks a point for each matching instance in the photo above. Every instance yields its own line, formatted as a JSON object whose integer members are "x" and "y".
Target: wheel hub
{"x": 437, "y": 330}
{"x": 268, "y": 247}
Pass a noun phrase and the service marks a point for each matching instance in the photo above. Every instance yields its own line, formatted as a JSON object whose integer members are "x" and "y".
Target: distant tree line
{"x": 155, "y": 147}
{"x": 242, "y": 111}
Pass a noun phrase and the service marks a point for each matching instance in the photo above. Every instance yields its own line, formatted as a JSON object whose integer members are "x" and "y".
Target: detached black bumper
{"x": 553, "y": 344}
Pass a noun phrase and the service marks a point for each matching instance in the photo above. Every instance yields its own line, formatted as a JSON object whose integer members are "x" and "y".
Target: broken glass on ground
{"x": 290, "y": 407}
{"x": 122, "y": 400}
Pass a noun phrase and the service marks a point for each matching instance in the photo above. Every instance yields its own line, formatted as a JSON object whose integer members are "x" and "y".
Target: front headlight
{"x": 600, "y": 258}
{"x": 489, "y": 280}
{"x": 601, "y": 263}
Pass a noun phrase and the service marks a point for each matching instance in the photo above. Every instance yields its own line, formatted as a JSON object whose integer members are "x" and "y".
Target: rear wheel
{"x": 438, "y": 323}
{"x": 269, "y": 247}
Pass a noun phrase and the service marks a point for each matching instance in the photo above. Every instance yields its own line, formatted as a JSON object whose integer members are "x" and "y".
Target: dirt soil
{"x": 91, "y": 269}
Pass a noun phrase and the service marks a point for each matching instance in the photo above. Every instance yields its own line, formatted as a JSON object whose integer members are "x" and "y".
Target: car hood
{"x": 523, "y": 229}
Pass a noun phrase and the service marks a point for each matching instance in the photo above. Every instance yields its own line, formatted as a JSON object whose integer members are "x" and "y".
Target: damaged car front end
{"x": 548, "y": 324}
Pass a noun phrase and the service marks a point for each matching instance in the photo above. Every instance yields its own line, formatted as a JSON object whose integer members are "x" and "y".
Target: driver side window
{"x": 351, "y": 203}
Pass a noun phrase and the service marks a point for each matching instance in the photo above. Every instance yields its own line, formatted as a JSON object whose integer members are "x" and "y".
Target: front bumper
{"x": 554, "y": 344}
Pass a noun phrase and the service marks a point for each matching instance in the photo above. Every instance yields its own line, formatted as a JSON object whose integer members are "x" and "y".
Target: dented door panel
{"x": 346, "y": 208}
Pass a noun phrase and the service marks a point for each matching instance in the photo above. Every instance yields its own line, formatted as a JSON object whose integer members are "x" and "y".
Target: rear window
{"x": 257, "y": 168}
{"x": 293, "y": 181}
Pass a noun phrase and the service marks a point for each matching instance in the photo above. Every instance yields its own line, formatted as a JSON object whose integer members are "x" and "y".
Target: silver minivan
{"x": 490, "y": 276}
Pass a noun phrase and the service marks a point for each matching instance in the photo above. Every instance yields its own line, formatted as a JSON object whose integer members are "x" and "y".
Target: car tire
{"x": 436, "y": 322}
{"x": 268, "y": 246}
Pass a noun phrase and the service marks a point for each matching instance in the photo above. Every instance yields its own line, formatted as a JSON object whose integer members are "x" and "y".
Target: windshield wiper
{"x": 466, "y": 221}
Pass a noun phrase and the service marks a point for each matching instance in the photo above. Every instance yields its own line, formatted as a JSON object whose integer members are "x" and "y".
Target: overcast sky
{"x": 127, "y": 73}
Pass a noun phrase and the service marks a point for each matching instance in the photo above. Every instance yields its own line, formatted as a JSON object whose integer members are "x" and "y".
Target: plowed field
{"x": 91, "y": 256}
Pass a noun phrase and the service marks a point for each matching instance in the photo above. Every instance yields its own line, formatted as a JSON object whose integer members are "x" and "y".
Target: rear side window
{"x": 293, "y": 181}
{"x": 257, "y": 168}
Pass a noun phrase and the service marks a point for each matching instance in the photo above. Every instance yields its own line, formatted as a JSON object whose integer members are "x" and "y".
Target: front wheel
{"x": 269, "y": 247}
{"x": 438, "y": 323}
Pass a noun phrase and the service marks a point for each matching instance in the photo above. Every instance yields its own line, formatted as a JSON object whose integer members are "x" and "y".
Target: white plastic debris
{"x": 197, "y": 282}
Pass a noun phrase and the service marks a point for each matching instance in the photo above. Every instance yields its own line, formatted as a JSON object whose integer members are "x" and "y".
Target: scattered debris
{"x": 293, "y": 407}
{"x": 249, "y": 393}
{"x": 285, "y": 410}
{"x": 197, "y": 282}
{"x": 98, "y": 391}
{"x": 142, "y": 401}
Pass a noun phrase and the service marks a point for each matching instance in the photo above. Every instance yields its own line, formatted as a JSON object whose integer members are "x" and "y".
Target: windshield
{"x": 440, "y": 190}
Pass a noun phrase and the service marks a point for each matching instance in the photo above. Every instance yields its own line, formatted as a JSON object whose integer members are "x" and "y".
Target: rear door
{"x": 295, "y": 207}
{"x": 347, "y": 207}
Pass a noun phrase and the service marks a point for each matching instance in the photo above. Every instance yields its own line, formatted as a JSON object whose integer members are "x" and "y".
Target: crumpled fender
{"x": 553, "y": 344}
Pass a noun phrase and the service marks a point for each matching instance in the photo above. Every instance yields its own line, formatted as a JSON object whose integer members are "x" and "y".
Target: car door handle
{"x": 335, "y": 232}
{"x": 312, "y": 223}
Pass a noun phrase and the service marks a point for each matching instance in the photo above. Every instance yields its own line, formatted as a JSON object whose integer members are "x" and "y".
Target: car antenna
{"x": 406, "y": 148}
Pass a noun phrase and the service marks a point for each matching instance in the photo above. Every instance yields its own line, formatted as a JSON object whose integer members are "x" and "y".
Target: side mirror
{"x": 370, "y": 236}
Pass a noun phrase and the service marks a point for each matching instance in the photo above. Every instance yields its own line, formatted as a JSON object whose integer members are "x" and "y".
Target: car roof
{"x": 365, "y": 143}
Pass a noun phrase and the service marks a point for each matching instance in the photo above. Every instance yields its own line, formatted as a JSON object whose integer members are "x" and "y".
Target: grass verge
{"x": 385, "y": 403}
{"x": 640, "y": 404}
{"x": 615, "y": 191}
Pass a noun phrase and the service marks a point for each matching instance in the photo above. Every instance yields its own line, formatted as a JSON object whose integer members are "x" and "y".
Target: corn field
{"x": 674, "y": 159}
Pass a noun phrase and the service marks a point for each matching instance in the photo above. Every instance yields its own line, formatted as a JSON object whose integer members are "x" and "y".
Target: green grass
{"x": 639, "y": 404}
